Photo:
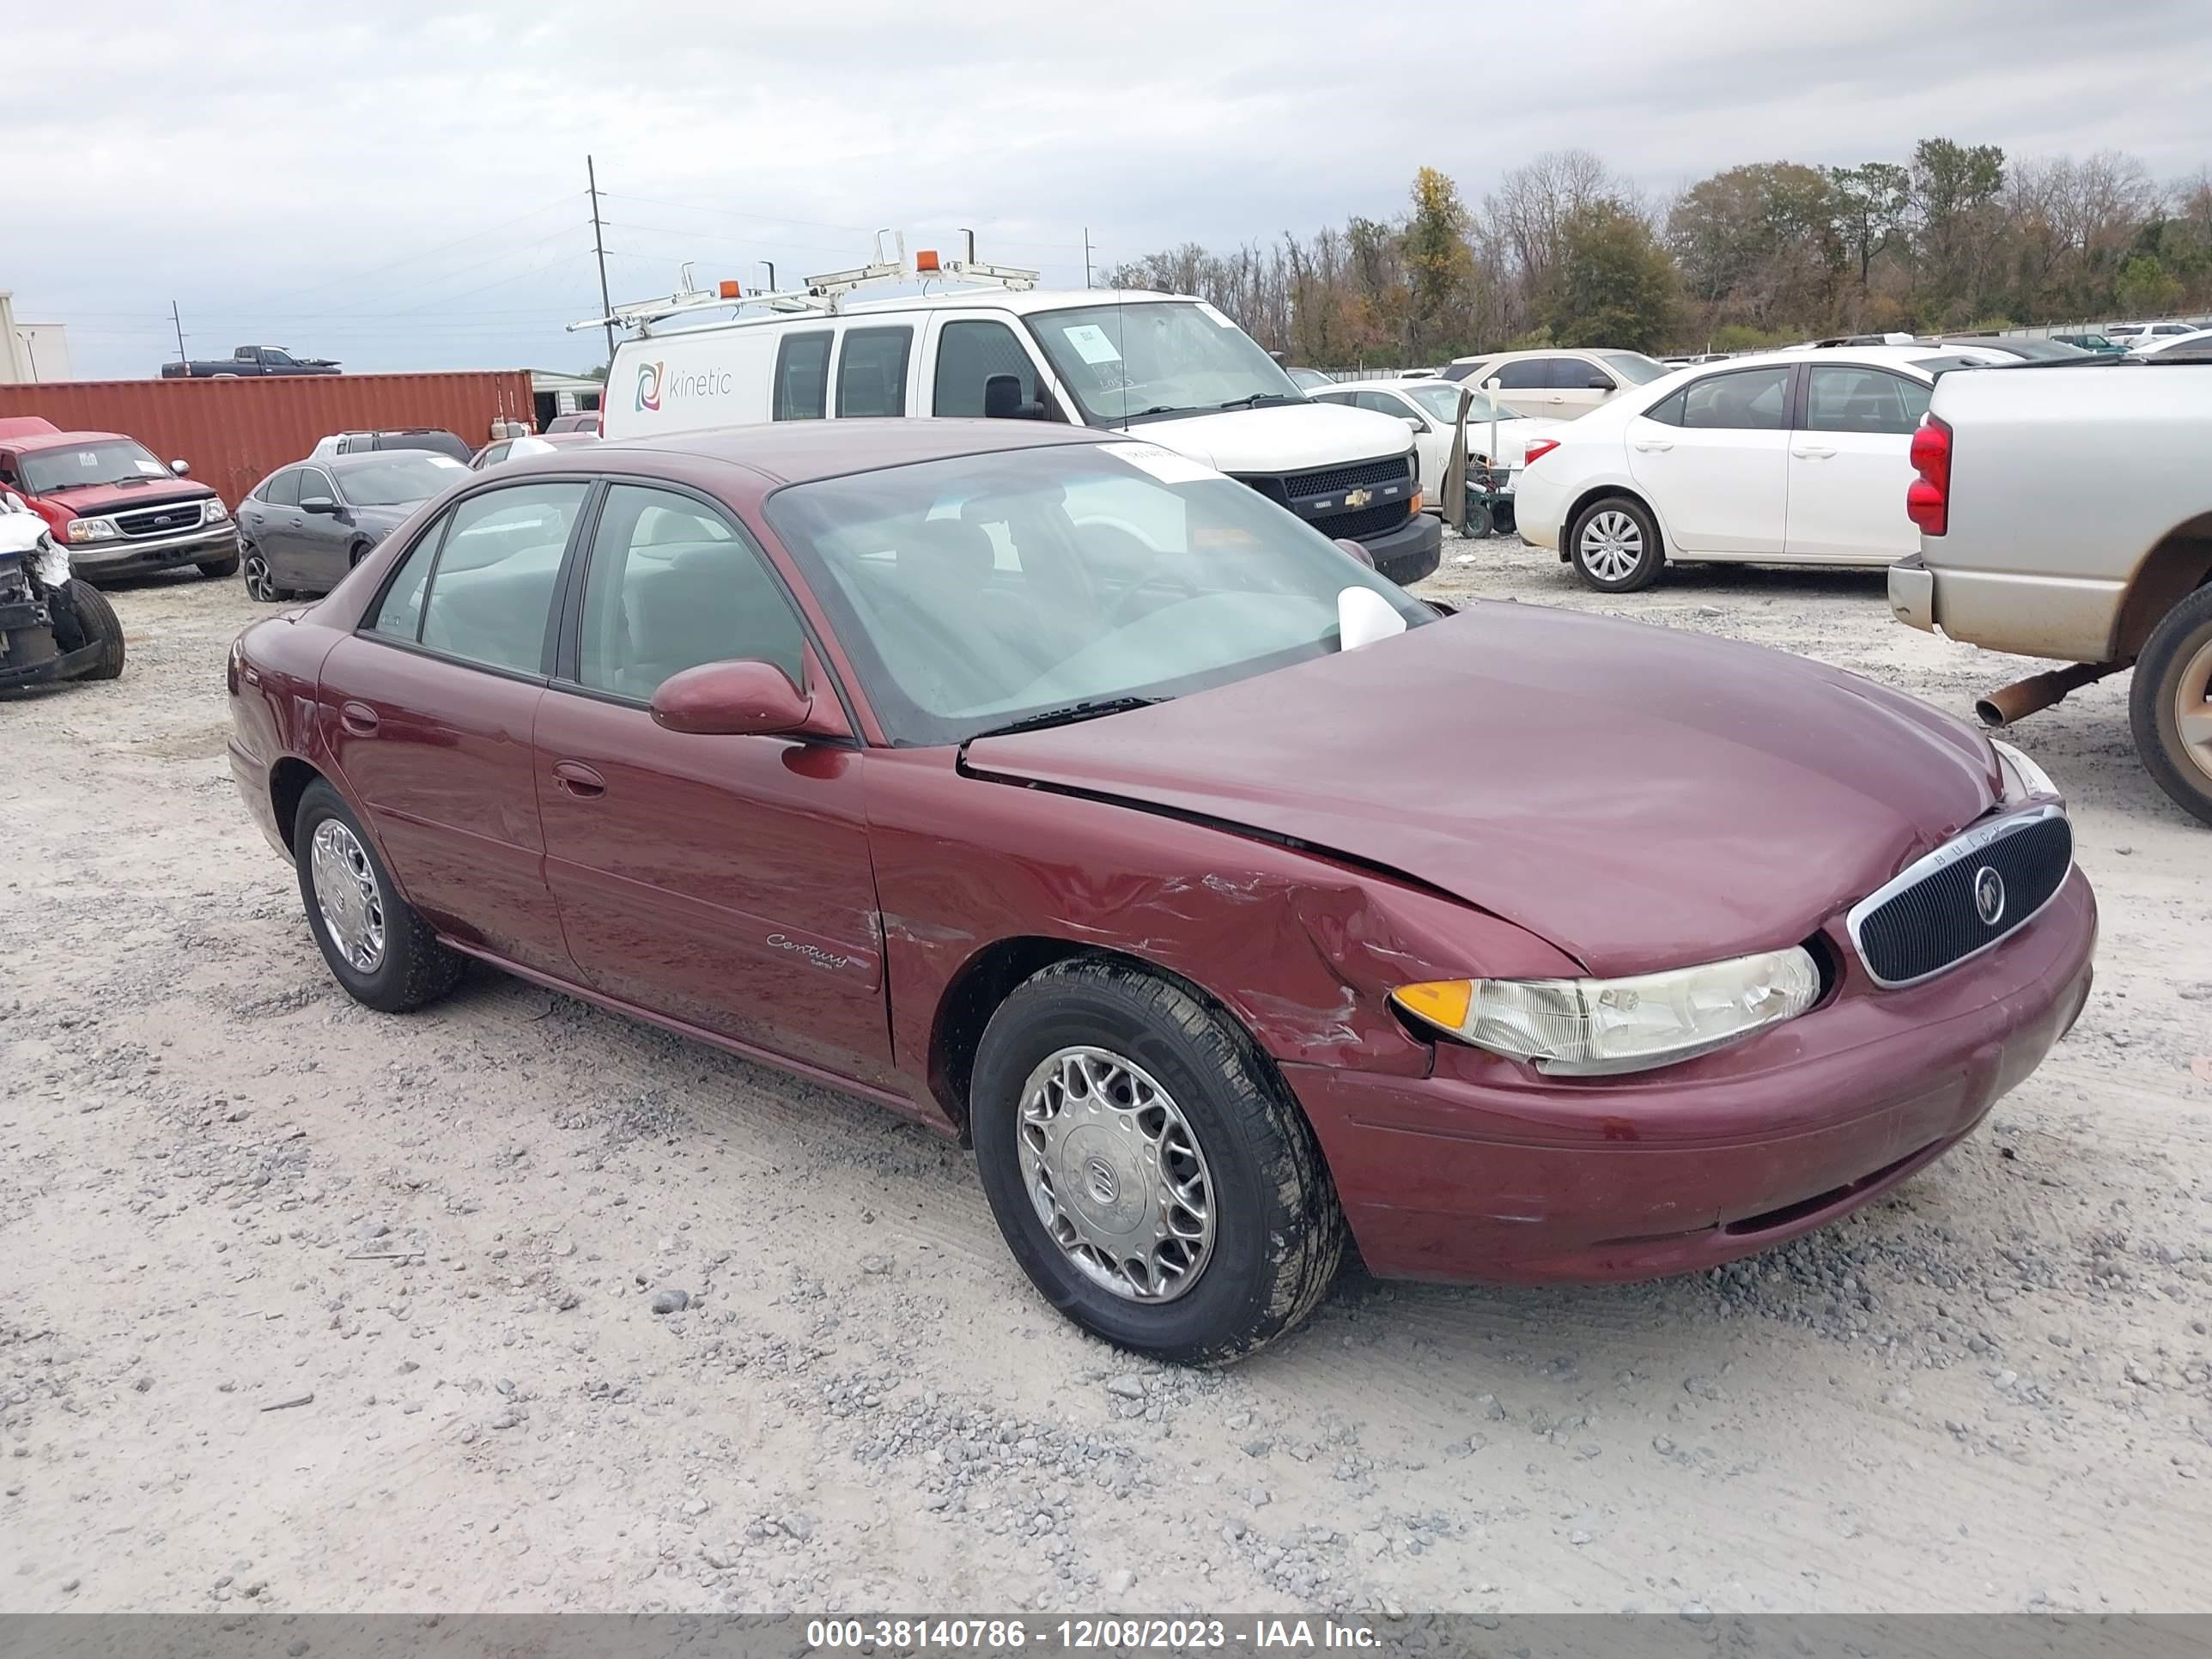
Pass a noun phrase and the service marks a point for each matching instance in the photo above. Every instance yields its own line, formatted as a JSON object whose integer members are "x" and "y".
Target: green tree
{"x": 1614, "y": 285}
{"x": 1439, "y": 266}
{"x": 1759, "y": 241}
{"x": 1954, "y": 187}
{"x": 2146, "y": 287}
{"x": 1868, "y": 201}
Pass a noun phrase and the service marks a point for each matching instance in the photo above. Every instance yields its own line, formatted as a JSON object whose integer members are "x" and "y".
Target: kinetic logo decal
{"x": 648, "y": 386}
{"x": 654, "y": 383}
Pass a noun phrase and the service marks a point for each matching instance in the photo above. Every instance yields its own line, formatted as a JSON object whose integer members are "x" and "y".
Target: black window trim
{"x": 587, "y": 513}
{"x": 564, "y": 655}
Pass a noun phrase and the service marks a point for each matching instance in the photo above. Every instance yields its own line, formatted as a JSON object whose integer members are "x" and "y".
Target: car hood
{"x": 1280, "y": 438}
{"x": 95, "y": 501}
{"x": 1640, "y": 798}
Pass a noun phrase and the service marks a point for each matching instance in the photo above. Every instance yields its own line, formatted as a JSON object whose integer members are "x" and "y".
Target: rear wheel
{"x": 2170, "y": 704}
{"x": 260, "y": 584}
{"x": 96, "y": 624}
{"x": 225, "y": 566}
{"x": 377, "y": 945}
{"x": 1614, "y": 546}
{"x": 1151, "y": 1173}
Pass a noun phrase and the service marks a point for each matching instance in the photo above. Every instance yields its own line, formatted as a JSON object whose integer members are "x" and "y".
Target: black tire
{"x": 2173, "y": 669}
{"x": 413, "y": 967}
{"x": 98, "y": 623}
{"x": 1279, "y": 1233}
{"x": 225, "y": 566}
{"x": 357, "y": 552}
{"x": 260, "y": 585}
{"x": 1650, "y": 557}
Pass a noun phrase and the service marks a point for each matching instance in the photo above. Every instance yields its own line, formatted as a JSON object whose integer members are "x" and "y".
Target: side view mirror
{"x": 322, "y": 504}
{"x": 1356, "y": 550}
{"x": 180, "y": 467}
{"x": 1599, "y": 383}
{"x": 1416, "y": 423}
{"x": 744, "y": 698}
{"x": 1003, "y": 401}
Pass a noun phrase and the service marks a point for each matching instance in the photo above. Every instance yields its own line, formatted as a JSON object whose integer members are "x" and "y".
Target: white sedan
{"x": 1798, "y": 457}
{"x": 1430, "y": 406}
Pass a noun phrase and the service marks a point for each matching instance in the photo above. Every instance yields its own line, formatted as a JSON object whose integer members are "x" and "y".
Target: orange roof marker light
{"x": 925, "y": 259}
{"x": 729, "y": 290}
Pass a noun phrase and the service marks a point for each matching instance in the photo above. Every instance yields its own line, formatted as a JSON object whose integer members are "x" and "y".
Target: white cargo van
{"x": 1172, "y": 369}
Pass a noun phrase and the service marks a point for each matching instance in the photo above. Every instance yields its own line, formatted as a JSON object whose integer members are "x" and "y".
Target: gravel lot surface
{"x": 308, "y": 1308}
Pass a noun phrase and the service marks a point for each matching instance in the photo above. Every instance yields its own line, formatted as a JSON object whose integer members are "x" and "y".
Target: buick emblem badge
{"x": 1988, "y": 896}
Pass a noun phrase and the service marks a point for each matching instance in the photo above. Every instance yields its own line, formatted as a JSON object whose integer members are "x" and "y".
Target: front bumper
{"x": 1912, "y": 593}
{"x": 1411, "y": 552}
{"x": 1482, "y": 1171}
{"x": 95, "y": 562}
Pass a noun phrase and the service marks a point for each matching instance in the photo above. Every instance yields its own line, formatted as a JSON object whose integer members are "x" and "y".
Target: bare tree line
{"x": 1564, "y": 252}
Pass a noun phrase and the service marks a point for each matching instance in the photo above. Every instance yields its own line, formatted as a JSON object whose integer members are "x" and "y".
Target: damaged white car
{"x": 52, "y": 626}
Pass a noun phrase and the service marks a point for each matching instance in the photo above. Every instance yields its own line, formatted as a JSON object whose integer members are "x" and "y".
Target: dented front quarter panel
{"x": 1301, "y": 949}
{"x": 276, "y": 667}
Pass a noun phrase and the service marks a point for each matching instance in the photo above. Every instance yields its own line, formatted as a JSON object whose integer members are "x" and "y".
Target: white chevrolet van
{"x": 1172, "y": 369}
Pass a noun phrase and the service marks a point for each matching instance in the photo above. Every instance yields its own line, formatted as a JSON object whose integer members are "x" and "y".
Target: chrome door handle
{"x": 1812, "y": 453}
{"x": 579, "y": 779}
{"x": 1654, "y": 443}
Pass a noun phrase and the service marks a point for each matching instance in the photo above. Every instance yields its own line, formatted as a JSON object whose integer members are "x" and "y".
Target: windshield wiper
{"x": 1158, "y": 409}
{"x": 1259, "y": 398}
{"x": 1066, "y": 714}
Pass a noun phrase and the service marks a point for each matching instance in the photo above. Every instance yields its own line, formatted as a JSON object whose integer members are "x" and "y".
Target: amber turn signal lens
{"x": 1417, "y": 503}
{"x": 1442, "y": 1002}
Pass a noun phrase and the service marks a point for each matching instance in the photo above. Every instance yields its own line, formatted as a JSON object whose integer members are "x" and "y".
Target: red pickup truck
{"x": 116, "y": 508}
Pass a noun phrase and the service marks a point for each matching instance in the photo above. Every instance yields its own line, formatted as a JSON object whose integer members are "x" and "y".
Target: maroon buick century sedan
{"x": 1076, "y": 800}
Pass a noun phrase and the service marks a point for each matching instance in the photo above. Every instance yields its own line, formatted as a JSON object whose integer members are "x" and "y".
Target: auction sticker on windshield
{"x": 1093, "y": 343}
{"x": 1164, "y": 465}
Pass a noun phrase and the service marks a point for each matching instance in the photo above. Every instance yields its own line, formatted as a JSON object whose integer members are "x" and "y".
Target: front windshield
{"x": 1156, "y": 358}
{"x": 108, "y": 461}
{"x": 1442, "y": 401}
{"x": 1634, "y": 367}
{"x": 404, "y": 478}
{"x": 975, "y": 590}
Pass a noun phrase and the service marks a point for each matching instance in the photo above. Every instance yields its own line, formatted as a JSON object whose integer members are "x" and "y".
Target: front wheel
{"x": 96, "y": 624}
{"x": 377, "y": 945}
{"x": 2170, "y": 704}
{"x": 1614, "y": 546}
{"x": 1151, "y": 1173}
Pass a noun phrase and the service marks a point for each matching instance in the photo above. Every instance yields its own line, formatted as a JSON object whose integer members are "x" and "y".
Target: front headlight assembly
{"x": 212, "y": 511}
{"x": 93, "y": 530}
{"x": 1593, "y": 1027}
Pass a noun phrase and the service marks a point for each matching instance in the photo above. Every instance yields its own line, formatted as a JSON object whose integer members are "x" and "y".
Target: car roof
{"x": 364, "y": 457}
{"x": 1023, "y": 302}
{"x": 27, "y": 442}
{"x": 799, "y": 452}
{"x": 1547, "y": 352}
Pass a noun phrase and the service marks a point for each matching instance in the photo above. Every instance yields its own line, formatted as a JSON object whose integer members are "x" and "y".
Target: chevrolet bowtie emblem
{"x": 1357, "y": 497}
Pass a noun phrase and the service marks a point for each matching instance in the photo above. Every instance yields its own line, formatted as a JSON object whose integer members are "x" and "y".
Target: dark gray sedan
{"x": 304, "y": 526}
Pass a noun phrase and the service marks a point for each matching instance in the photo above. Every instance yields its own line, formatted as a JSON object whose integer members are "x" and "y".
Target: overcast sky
{"x": 402, "y": 186}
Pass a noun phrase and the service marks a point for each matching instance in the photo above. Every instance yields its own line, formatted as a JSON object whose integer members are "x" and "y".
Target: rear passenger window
{"x": 802, "y": 377}
{"x": 492, "y": 579}
{"x": 1842, "y": 398}
{"x": 1523, "y": 375}
{"x": 871, "y": 372}
{"x": 1748, "y": 400}
{"x": 672, "y": 584}
{"x": 967, "y": 356}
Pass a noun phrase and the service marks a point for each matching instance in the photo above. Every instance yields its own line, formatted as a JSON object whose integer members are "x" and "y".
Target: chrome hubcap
{"x": 258, "y": 585}
{"x": 1116, "y": 1175}
{"x": 1612, "y": 546}
{"x": 2192, "y": 709}
{"x": 347, "y": 895}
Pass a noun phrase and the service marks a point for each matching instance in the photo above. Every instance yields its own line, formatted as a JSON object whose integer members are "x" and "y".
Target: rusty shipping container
{"x": 236, "y": 432}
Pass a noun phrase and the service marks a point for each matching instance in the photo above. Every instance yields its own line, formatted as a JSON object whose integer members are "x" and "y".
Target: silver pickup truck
{"x": 2065, "y": 510}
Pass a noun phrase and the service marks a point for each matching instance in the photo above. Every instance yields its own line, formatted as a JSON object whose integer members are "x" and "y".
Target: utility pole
{"x": 599, "y": 247}
{"x": 1087, "y": 256}
{"x": 179, "y": 322}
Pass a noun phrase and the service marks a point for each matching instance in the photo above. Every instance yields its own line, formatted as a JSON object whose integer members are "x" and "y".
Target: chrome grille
{"x": 167, "y": 520}
{"x": 1966, "y": 895}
